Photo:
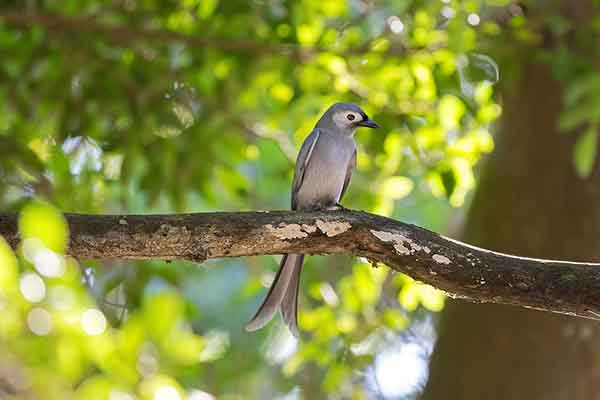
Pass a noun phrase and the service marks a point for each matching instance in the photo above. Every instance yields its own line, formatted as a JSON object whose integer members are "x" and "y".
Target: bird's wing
{"x": 304, "y": 155}
{"x": 349, "y": 170}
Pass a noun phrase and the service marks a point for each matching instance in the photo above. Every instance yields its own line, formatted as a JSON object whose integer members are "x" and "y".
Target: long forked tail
{"x": 289, "y": 304}
{"x": 283, "y": 293}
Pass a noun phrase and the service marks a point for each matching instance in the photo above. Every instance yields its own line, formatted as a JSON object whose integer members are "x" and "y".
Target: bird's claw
{"x": 336, "y": 207}
{"x": 328, "y": 207}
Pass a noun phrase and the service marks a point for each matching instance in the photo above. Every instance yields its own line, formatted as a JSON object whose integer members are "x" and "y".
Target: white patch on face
{"x": 342, "y": 121}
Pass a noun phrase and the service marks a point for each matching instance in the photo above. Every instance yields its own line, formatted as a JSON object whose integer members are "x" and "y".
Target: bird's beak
{"x": 368, "y": 123}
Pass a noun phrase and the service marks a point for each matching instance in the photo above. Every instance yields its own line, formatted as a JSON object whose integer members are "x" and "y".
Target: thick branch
{"x": 460, "y": 270}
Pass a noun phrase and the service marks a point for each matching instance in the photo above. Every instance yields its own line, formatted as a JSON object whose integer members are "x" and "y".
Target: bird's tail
{"x": 282, "y": 294}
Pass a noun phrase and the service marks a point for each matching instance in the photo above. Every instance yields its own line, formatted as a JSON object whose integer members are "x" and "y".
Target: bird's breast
{"x": 326, "y": 171}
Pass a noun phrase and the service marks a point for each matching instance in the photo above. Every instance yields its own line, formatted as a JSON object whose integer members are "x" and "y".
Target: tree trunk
{"x": 530, "y": 203}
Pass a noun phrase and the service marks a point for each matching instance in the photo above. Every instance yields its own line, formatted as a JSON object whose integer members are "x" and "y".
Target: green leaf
{"x": 483, "y": 92}
{"x": 97, "y": 387}
{"x": 449, "y": 181}
{"x": 394, "y": 319}
{"x": 206, "y": 8}
{"x": 170, "y": 307}
{"x": 308, "y": 34}
{"x": 431, "y": 298}
{"x": 335, "y": 377}
{"x": 572, "y": 118}
{"x": 44, "y": 222}
{"x": 408, "y": 297}
{"x": 396, "y": 187}
{"x": 584, "y": 152}
{"x": 451, "y": 110}
{"x": 581, "y": 87}
{"x": 8, "y": 267}
{"x": 364, "y": 285}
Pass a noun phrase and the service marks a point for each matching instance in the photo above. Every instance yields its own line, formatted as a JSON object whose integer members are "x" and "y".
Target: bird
{"x": 323, "y": 170}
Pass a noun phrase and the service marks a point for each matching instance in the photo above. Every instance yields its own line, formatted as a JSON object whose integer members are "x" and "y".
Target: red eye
{"x": 350, "y": 117}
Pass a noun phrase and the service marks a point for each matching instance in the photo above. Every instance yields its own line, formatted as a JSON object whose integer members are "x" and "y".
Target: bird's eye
{"x": 350, "y": 117}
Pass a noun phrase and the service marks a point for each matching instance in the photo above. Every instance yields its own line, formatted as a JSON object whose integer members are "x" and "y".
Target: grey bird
{"x": 324, "y": 167}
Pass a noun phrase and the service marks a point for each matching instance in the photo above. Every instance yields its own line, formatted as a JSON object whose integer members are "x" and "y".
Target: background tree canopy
{"x": 142, "y": 106}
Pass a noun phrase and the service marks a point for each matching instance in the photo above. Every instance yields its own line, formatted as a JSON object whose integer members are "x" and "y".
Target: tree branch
{"x": 120, "y": 34}
{"x": 461, "y": 270}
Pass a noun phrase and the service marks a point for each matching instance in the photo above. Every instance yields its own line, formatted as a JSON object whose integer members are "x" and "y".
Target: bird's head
{"x": 345, "y": 117}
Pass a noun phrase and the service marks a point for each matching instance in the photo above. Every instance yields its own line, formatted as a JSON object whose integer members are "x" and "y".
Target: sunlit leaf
{"x": 365, "y": 286}
{"x": 309, "y": 33}
{"x": 451, "y": 110}
{"x": 489, "y": 112}
{"x": 161, "y": 387}
{"x": 70, "y": 358}
{"x": 43, "y": 222}
{"x": 334, "y": 377}
{"x": 95, "y": 388}
{"x": 408, "y": 298}
{"x": 396, "y": 187}
{"x": 170, "y": 307}
{"x": 8, "y": 269}
{"x": 185, "y": 347}
{"x": 347, "y": 323}
{"x": 431, "y": 298}
{"x": 483, "y": 92}
{"x": 394, "y": 319}
{"x": 282, "y": 92}
{"x": 206, "y": 8}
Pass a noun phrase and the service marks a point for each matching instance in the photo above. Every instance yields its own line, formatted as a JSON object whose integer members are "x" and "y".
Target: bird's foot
{"x": 336, "y": 207}
{"x": 326, "y": 207}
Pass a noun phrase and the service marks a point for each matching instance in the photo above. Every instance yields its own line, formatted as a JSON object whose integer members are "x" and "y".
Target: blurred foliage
{"x": 61, "y": 342}
{"x": 127, "y": 106}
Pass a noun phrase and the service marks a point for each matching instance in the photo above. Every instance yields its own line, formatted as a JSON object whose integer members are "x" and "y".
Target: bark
{"x": 459, "y": 269}
{"x": 529, "y": 202}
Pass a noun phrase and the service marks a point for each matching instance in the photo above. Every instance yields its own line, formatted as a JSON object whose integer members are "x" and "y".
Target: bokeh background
{"x": 156, "y": 106}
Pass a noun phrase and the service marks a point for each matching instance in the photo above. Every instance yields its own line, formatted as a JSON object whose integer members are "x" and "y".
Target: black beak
{"x": 368, "y": 123}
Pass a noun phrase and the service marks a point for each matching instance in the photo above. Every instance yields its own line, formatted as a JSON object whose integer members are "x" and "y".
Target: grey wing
{"x": 303, "y": 159}
{"x": 349, "y": 170}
